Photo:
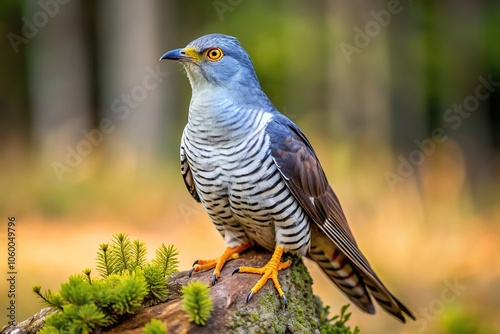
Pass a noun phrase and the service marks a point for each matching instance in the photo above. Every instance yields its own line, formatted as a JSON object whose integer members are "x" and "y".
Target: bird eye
{"x": 214, "y": 54}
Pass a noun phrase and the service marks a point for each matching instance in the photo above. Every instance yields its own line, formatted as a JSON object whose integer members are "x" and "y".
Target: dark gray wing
{"x": 188, "y": 176}
{"x": 304, "y": 176}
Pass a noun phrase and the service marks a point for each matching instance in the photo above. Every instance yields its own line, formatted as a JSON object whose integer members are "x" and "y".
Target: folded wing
{"x": 341, "y": 258}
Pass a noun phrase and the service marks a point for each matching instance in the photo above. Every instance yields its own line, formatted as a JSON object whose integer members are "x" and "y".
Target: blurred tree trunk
{"x": 408, "y": 88}
{"x": 492, "y": 50}
{"x": 134, "y": 85}
{"x": 305, "y": 73}
{"x": 59, "y": 84}
{"x": 358, "y": 73}
{"x": 453, "y": 68}
{"x": 467, "y": 20}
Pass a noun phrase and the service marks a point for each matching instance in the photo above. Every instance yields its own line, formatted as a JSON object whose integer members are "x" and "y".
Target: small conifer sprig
{"x": 126, "y": 283}
{"x": 105, "y": 263}
{"x": 166, "y": 259}
{"x": 155, "y": 326}
{"x": 84, "y": 307}
{"x": 197, "y": 302}
{"x": 121, "y": 255}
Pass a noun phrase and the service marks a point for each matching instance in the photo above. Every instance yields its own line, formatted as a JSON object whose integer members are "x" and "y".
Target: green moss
{"x": 267, "y": 300}
{"x": 303, "y": 315}
{"x": 127, "y": 283}
{"x": 265, "y": 313}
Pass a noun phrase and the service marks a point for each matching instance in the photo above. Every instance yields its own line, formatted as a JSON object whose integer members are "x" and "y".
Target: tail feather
{"x": 354, "y": 281}
{"x": 385, "y": 298}
{"x": 340, "y": 271}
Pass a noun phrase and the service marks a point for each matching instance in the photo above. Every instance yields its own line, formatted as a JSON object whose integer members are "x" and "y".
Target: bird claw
{"x": 249, "y": 296}
{"x": 235, "y": 271}
{"x": 285, "y": 303}
{"x": 214, "y": 279}
{"x": 267, "y": 272}
{"x": 192, "y": 269}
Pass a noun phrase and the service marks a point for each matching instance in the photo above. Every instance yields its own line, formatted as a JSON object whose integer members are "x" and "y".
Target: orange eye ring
{"x": 214, "y": 54}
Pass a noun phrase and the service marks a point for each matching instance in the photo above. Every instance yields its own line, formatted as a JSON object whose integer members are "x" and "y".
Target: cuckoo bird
{"x": 259, "y": 179}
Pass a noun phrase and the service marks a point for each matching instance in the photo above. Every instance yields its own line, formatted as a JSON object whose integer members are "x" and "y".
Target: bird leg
{"x": 269, "y": 271}
{"x": 218, "y": 263}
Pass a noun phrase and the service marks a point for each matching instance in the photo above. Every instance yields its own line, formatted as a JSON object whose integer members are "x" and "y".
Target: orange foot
{"x": 269, "y": 271}
{"x": 218, "y": 263}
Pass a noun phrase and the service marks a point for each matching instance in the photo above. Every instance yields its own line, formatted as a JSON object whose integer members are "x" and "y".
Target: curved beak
{"x": 174, "y": 55}
{"x": 186, "y": 54}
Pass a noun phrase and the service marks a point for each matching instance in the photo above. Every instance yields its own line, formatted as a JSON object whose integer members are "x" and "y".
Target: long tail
{"x": 353, "y": 280}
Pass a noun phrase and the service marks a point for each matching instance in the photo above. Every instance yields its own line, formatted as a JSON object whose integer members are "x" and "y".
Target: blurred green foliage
{"x": 457, "y": 320}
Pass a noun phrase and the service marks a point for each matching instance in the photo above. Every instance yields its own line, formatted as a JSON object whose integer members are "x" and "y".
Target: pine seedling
{"x": 127, "y": 283}
{"x": 87, "y": 273}
{"x": 139, "y": 252}
{"x": 156, "y": 274}
{"x": 155, "y": 326}
{"x": 121, "y": 249}
{"x": 49, "y": 298}
{"x": 76, "y": 291}
{"x": 76, "y": 319}
{"x": 156, "y": 282}
{"x": 197, "y": 302}
{"x": 84, "y": 307}
{"x": 130, "y": 293}
{"x": 105, "y": 262}
{"x": 166, "y": 259}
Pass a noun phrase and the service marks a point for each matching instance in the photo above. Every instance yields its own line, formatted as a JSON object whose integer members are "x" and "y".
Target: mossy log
{"x": 231, "y": 314}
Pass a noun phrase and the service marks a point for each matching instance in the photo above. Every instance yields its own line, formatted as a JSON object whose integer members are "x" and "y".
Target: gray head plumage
{"x": 218, "y": 64}
{"x": 234, "y": 65}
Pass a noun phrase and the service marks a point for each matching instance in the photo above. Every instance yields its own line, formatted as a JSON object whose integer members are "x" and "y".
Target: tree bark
{"x": 231, "y": 314}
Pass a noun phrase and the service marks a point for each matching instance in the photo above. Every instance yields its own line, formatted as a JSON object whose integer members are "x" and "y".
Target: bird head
{"x": 215, "y": 60}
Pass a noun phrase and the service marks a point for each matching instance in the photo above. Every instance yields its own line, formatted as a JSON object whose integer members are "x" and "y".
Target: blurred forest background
{"x": 400, "y": 99}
